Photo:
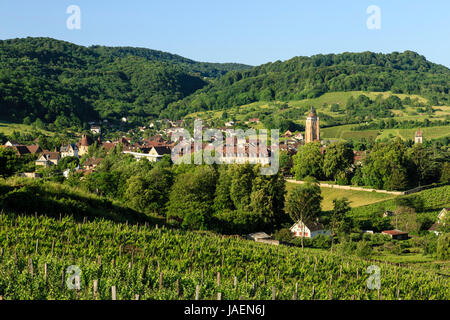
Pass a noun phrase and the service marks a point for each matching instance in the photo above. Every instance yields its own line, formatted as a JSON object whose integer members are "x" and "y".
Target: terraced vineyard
{"x": 118, "y": 260}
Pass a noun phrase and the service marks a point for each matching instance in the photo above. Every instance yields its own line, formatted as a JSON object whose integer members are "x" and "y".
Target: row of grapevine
{"x": 125, "y": 261}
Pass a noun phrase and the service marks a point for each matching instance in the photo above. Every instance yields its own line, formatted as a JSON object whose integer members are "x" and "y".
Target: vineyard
{"x": 127, "y": 262}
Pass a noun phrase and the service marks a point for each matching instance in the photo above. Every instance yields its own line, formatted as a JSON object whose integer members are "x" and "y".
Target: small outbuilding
{"x": 396, "y": 234}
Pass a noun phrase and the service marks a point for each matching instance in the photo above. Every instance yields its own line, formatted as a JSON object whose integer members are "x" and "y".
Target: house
{"x": 229, "y": 124}
{"x": 309, "y": 229}
{"x": 299, "y": 137}
{"x": 160, "y": 151}
{"x": 358, "y": 157}
{"x": 435, "y": 227}
{"x": 70, "y": 150}
{"x": 443, "y": 213}
{"x": 418, "y": 137}
{"x": 84, "y": 144}
{"x": 21, "y": 150}
{"x": 12, "y": 143}
{"x": 263, "y": 238}
{"x": 396, "y": 234}
{"x": 91, "y": 163}
{"x": 124, "y": 120}
{"x": 253, "y": 120}
{"x": 96, "y": 129}
{"x": 288, "y": 134}
{"x": 48, "y": 158}
{"x": 33, "y": 149}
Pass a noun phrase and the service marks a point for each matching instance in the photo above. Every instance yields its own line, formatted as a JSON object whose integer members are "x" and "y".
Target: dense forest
{"x": 44, "y": 80}
{"x": 62, "y": 83}
{"x": 309, "y": 77}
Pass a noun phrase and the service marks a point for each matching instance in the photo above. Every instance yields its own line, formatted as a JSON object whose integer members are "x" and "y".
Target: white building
{"x": 309, "y": 229}
{"x": 96, "y": 129}
{"x": 70, "y": 150}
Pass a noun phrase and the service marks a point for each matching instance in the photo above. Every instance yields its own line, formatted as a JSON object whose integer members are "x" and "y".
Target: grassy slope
{"x": 357, "y": 198}
{"x": 27, "y": 196}
{"x": 323, "y": 105}
{"x": 8, "y": 128}
{"x": 435, "y": 199}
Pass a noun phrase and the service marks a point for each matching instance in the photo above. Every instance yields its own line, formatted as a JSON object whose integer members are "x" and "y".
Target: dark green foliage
{"x": 61, "y": 84}
{"x": 308, "y": 161}
{"x": 304, "y": 77}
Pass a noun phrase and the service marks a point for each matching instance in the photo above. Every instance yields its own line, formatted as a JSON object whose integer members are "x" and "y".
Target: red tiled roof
{"x": 394, "y": 232}
{"x": 34, "y": 148}
{"x": 86, "y": 141}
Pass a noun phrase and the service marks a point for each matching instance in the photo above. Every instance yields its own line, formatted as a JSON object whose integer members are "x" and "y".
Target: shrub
{"x": 284, "y": 235}
{"x": 363, "y": 249}
{"x": 443, "y": 247}
{"x": 346, "y": 247}
{"x": 322, "y": 242}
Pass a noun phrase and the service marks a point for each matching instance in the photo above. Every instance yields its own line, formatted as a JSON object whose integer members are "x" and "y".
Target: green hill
{"x": 65, "y": 84}
{"x": 309, "y": 77}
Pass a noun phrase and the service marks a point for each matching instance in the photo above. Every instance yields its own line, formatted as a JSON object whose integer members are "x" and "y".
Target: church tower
{"x": 418, "y": 137}
{"x": 312, "y": 130}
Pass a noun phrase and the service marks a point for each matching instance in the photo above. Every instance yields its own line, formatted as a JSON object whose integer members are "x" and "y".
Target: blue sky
{"x": 246, "y": 31}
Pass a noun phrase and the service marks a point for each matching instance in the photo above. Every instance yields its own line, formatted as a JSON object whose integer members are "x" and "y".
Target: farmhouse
{"x": 309, "y": 229}
{"x": 396, "y": 234}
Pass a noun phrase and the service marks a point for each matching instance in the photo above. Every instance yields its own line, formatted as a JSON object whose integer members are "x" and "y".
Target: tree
{"x": 8, "y": 161}
{"x": 191, "y": 198}
{"x": 340, "y": 208}
{"x": 386, "y": 166}
{"x": 241, "y": 186}
{"x": 308, "y": 161}
{"x": 405, "y": 219}
{"x": 424, "y": 165}
{"x": 267, "y": 198}
{"x": 303, "y": 203}
{"x": 443, "y": 247}
{"x": 338, "y": 159}
{"x": 445, "y": 172}
{"x": 149, "y": 192}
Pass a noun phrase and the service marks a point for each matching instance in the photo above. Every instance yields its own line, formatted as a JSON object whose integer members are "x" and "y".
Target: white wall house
{"x": 70, "y": 150}
{"x": 443, "y": 213}
{"x": 309, "y": 229}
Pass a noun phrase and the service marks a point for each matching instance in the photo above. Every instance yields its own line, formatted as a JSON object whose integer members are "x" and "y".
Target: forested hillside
{"x": 309, "y": 77}
{"x": 66, "y": 85}
{"x": 62, "y": 83}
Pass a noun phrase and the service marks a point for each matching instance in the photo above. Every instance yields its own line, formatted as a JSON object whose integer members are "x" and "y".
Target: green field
{"x": 8, "y": 128}
{"x": 323, "y": 105}
{"x": 356, "y": 198}
{"x": 428, "y": 133}
{"x": 434, "y": 200}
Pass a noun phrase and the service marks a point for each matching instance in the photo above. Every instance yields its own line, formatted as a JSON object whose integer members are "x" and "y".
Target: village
{"x": 156, "y": 147}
